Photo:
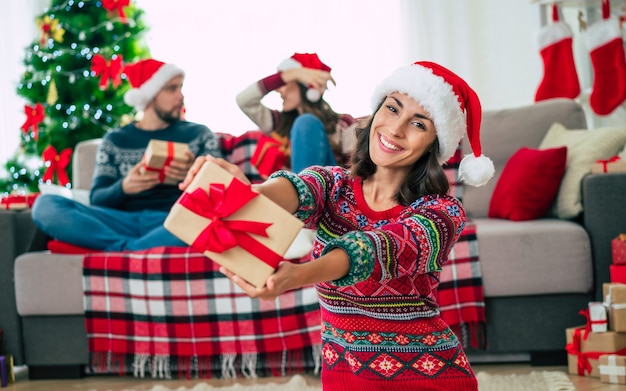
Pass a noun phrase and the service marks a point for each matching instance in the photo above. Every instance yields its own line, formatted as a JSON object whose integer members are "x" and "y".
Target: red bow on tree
{"x": 111, "y": 5}
{"x": 34, "y": 116}
{"x": 57, "y": 164}
{"x": 107, "y": 70}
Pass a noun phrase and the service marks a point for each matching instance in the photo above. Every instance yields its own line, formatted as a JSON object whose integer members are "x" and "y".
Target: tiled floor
{"x": 115, "y": 383}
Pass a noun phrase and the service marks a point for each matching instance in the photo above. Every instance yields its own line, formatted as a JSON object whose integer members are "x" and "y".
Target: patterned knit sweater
{"x": 381, "y": 328}
{"x": 123, "y": 148}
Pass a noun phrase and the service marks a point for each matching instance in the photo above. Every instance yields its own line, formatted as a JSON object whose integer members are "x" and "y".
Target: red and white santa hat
{"x": 305, "y": 60}
{"x": 147, "y": 77}
{"x": 452, "y": 105}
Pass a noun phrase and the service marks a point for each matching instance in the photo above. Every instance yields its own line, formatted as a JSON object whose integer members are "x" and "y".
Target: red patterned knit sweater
{"x": 381, "y": 328}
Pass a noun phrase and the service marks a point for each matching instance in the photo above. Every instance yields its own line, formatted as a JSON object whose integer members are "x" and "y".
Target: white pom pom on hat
{"x": 305, "y": 60}
{"x": 454, "y": 108}
{"x": 147, "y": 77}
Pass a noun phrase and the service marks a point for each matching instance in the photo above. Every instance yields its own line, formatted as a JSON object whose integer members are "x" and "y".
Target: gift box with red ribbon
{"x": 598, "y": 317}
{"x": 232, "y": 224}
{"x": 618, "y": 250}
{"x": 614, "y": 164}
{"x": 585, "y": 347}
{"x": 269, "y": 156}
{"x": 612, "y": 369}
{"x": 18, "y": 201}
{"x": 615, "y": 301}
{"x": 161, "y": 153}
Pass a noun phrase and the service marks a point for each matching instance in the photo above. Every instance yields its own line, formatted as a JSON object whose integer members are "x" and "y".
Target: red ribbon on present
{"x": 25, "y": 201}
{"x": 168, "y": 160}
{"x": 111, "y": 5}
{"x": 57, "y": 164}
{"x": 606, "y": 162}
{"x": 583, "y": 358}
{"x": 34, "y": 116}
{"x": 221, "y": 234}
{"x": 107, "y": 70}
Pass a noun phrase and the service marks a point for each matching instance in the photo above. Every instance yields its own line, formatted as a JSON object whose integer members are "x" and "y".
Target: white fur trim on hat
{"x": 140, "y": 97}
{"x": 436, "y": 96}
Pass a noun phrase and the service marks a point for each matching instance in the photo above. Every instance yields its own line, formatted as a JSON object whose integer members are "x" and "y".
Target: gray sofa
{"x": 537, "y": 274}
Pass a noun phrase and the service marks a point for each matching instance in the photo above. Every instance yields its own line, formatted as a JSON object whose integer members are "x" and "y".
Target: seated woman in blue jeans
{"x": 310, "y": 131}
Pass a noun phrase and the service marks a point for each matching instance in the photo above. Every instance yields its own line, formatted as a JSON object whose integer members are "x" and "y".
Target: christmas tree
{"x": 74, "y": 86}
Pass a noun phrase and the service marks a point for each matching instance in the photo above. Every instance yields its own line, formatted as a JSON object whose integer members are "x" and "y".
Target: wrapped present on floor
{"x": 7, "y": 373}
{"x": 614, "y": 164}
{"x": 617, "y": 274}
{"x": 584, "y": 348}
{"x": 232, "y": 224}
{"x": 618, "y": 250}
{"x": 598, "y": 317}
{"x": 269, "y": 156}
{"x": 161, "y": 153}
{"x": 18, "y": 201}
{"x": 615, "y": 301}
{"x": 612, "y": 369}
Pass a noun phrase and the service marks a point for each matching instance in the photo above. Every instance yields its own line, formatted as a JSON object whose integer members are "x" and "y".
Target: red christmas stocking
{"x": 560, "y": 79}
{"x": 606, "y": 47}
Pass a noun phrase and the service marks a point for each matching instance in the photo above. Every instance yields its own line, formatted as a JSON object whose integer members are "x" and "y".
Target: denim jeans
{"x": 101, "y": 228}
{"x": 309, "y": 144}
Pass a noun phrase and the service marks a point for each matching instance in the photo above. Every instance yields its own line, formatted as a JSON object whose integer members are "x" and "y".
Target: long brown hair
{"x": 425, "y": 176}
{"x": 321, "y": 109}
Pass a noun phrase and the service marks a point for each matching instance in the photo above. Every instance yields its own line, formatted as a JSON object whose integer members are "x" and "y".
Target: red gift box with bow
{"x": 161, "y": 153}
{"x": 269, "y": 156}
{"x": 232, "y": 224}
{"x": 614, "y": 164}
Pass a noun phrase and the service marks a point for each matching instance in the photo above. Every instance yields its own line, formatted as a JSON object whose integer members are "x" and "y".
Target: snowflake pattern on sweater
{"x": 380, "y": 322}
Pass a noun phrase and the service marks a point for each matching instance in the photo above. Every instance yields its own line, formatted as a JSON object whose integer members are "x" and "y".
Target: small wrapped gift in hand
{"x": 232, "y": 224}
{"x": 161, "y": 153}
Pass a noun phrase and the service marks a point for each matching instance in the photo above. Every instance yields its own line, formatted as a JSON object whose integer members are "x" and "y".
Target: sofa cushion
{"x": 505, "y": 131}
{"x": 528, "y": 184}
{"x": 584, "y": 147}
{"x": 534, "y": 257}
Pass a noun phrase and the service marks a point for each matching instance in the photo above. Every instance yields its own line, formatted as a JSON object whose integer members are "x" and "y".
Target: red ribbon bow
{"x": 589, "y": 322}
{"x": 111, "y": 5}
{"x": 34, "y": 116}
{"x": 221, "y": 234}
{"x": 107, "y": 70}
{"x": 57, "y": 164}
{"x": 606, "y": 162}
{"x": 583, "y": 363}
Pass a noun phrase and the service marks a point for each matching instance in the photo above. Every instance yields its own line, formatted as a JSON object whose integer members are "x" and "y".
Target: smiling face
{"x": 290, "y": 93}
{"x": 401, "y": 133}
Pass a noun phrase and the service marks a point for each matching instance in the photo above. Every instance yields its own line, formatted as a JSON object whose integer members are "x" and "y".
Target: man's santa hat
{"x": 305, "y": 60}
{"x": 454, "y": 108}
{"x": 147, "y": 77}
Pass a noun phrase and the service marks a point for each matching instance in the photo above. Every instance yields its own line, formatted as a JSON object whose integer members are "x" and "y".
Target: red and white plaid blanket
{"x": 170, "y": 313}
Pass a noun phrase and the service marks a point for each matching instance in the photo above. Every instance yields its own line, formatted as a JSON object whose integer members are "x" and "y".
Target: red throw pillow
{"x": 529, "y": 183}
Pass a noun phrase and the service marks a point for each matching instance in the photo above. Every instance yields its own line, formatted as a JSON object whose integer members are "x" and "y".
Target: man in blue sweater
{"x": 128, "y": 205}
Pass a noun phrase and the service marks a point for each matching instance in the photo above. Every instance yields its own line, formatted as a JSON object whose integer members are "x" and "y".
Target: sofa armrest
{"x": 604, "y": 217}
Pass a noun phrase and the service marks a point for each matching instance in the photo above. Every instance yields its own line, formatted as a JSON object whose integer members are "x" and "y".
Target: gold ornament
{"x": 53, "y": 94}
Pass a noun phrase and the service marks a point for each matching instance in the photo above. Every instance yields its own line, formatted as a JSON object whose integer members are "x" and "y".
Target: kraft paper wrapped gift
{"x": 612, "y": 369}
{"x": 160, "y": 153}
{"x": 236, "y": 227}
{"x": 618, "y": 250}
{"x": 615, "y": 300}
{"x": 614, "y": 164}
{"x": 583, "y": 354}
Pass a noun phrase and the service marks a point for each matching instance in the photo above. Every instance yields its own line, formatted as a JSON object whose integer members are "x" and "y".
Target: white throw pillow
{"x": 584, "y": 147}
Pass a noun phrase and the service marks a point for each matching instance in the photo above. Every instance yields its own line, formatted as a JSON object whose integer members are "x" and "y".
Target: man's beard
{"x": 167, "y": 116}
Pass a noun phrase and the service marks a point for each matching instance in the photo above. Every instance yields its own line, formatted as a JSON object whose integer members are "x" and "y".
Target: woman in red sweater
{"x": 385, "y": 229}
